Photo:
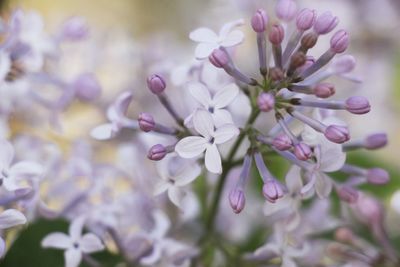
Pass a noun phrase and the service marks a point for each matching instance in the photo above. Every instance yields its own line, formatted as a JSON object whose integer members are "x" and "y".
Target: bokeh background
{"x": 128, "y": 37}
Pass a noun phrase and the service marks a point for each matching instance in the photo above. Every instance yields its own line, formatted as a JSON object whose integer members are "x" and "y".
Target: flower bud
{"x": 378, "y": 176}
{"x": 86, "y": 87}
{"x": 369, "y": 209}
{"x": 286, "y": 10}
{"x": 265, "y": 102}
{"x": 324, "y": 90}
{"x": 146, "y": 122}
{"x": 75, "y": 29}
{"x": 219, "y": 58}
{"x": 276, "y": 74}
{"x": 237, "y": 200}
{"x": 305, "y": 19}
{"x": 282, "y": 142}
{"x": 156, "y": 84}
{"x": 325, "y": 23}
{"x": 310, "y": 60}
{"x": 357, "y": 105}
{"x": 337, "y": 134}
{"x": 276, "y": 34}
{"x": 343, "y": 64}
{"x": 272, "y": 190}
{"x": 302, "y": 151}
{"x": 347, "y": 193}
{"x": 157, "y": 152}
{"x": 375, "y": 141}
{"x": 297, "y": 60}
{"x": 340, "y": 41}
{"x": 259, "y": 21}
{"x": 309, "y": 40}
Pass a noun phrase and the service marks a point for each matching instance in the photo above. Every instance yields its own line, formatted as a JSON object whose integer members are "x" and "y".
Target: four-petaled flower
{"x": 215, "y": 104}
{"x": 12, "y": 175}
{"x": 116, "y": 115}
{"x": 208, "y": 40}
{"x": 176, "y": 173}
{"x": 74, "y": 244}
{"x": 193, "y": 146}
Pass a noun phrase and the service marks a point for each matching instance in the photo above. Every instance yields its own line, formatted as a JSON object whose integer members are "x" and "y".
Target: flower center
{"x": 211, "y": 109}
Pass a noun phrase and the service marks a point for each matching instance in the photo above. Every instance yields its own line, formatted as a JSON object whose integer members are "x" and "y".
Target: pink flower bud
{"x": 146, "y": 122}
{"x": 375, "y": 141}
{"x": 272, "y": 190}
{"x": 340, "y": 41}
{"x": 157, "y": 152}
{"x": 378, "y": 176}
{"x": 310, "y": 60}
{"x": 357, "y": 105}
{"x": 369, "y": 210}
{"x": 325, "y": 23}
{"x": 265, "y": 102}
{"x": 237, "y": 200}
{"x": 324, "y": 90}
{"x": 86, "y": 87}
{"x": 347, "y": 193}
{"x": 276, "y": 34}
{"x": 302, "y": 151}
{"x": 75, "y": 29}
{"x": 286, "y": 10}
{"x": 259, "y": 21}
{"x": 337, "y": 134}
{"x": 305, "y": 19}
{"x": 156, "y": 84}
{"x": 219, "y": 58}
{"x": 282, "y": 142}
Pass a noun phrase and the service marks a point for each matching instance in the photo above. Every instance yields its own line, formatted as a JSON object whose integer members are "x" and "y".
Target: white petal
{"x": 191, "y": 146}
{"x": 233, "y": 38}
{"x": 204, "y": 50}
{"x": 161, "y": 187}
{"x": 23, "y": 168}
{"x": 203, "y": 123}
{"x": 6, "y": 154}
{"x": 200, "y": 92}
{"x": 90, "y": 243}
{"x": 119, "y": 108}
{"x": 310, "y": 185}
{"x": 10, "y": 218}
{"x": 293, "y": 221}
{"x": 221, "y": 117}
{"x": 225, "y": 96}
{"x": 57, "y": 240}
{"x": 76, "y": 227}
{"x": 203, "y": 35}
{"x": 103, "y": 132}
{"x": 332, "y": 156}
{"x": 176, "y": 195}
{"x": 73, "y": 257}
{"x": 11, "y": 184}
{"x": 293, "y": 179}
{"x": 162, "y": 224}
{"x": 188, "y": 175}
{"x": 228, "y": 27}
{"x": 225, "y": 133}
{"x": 288, "y": 262}
{"x": 213, "y": 159}
{"x": 323, "y": 185}
{"x": 153, "y": 257}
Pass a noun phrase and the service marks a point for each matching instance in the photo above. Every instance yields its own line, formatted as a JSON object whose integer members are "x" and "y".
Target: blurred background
{"x": 129, "y": 37}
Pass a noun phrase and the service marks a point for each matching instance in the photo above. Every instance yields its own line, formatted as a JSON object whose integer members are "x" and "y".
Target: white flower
{"x": 11, "y": 175}
{"x": 193, "y": 146}
{"x": 74, "y": 244}
{"x": 175, "y": 174}
{"x": 116, "y": 115}
{"x": 9, "y": 218}
{"x": 329, "y": 157}
{"x": 215, "y": 104}
{"x": 208, "y": 40}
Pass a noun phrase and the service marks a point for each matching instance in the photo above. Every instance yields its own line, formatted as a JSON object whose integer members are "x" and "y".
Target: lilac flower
{"x": 208, "y": 40}
{"x": 193, "y": 146}
{"x": 176, "y": 174}
{"x": 215, "y": 104}
{"x": 9, "y": 218}
{"x": 116, "y": 115}
{"x": 12, "y": 175}
{"x": 75, "y": 244}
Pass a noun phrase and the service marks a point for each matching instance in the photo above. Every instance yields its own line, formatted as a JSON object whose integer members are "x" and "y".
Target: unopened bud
{"x": 357, "y": 105}
{"x": 282, "y": 142}
{"x": 340, "y": 41}
{"x": 266, "y": 102}
{"x": 87, "y": 87}
{"x": 305, "y": 19}
{"x": 324, "y": 90}
{"x": 276, "y": 34}
{"x": 219, "y": 58}
{"x": 146, "y": 122}
{"x": 272, "y": 190}
{"x": 157, "y": 152}
{"x": 347, "y": 193}
{"x": 375, "y": 141}
{"x": 337, "y": 134}
{"x": 378, "y": 176}
{"x": 302, "y": 151}
{"x": 309, "y": 40}
{"x": 325, "y": 23}
{"x": 156, "y": 84}
{"x": 237, "y": 200}
{"x": 286, "y": 10}
{"x": 259, "y": 21}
